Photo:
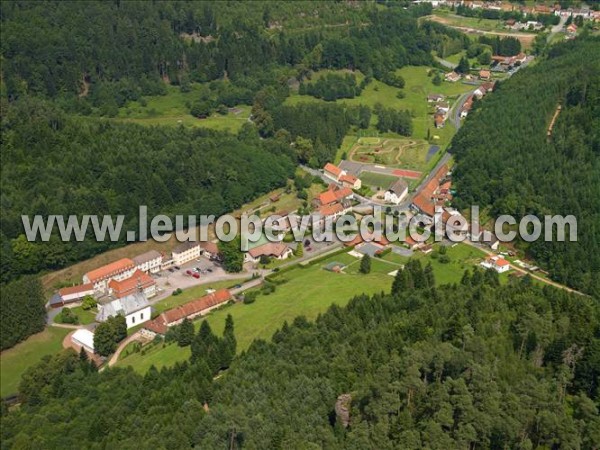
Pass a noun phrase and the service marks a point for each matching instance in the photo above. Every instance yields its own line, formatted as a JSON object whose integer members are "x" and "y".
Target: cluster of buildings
{"x": 337, "y": 175}
{"x": 442, "y": 108}
{"x": 333, "y": 202}
{"x": 479, "y": 93}
{"x": 496, "y": 263}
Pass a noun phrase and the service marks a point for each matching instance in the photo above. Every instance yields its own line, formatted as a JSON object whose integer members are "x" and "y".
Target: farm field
{"x": 14, "y": 361}
{"x": 307, "y": 291}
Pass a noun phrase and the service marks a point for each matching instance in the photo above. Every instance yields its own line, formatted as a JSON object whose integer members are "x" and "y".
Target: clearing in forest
{"x": 400, "y": 153}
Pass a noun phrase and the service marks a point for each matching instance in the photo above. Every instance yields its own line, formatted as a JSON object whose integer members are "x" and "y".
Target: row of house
{"x": 190, "y": 310}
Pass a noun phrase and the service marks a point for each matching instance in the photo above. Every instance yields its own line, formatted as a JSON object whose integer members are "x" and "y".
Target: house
{"x": 485, "y": 75}
{"x": 443, "y": 107}
{"x": 149, "y": 262}
{"x": 332, "y": 172}
{"x": 496, "y": 263}
{"x": 412, "y": 244}
{"x": 350, "y": 181}
{"x": 333, "y": 194}
{"x": 487, "y": 86}
{"x": 479, "y": 92}
{"x": 425, "y": 200}
{"x": 396, "y": 192}
{"x": 185, "y": 252}
{"x": 452, "y": 77}
{"x": 71, "y": 294}
{"x": 439, "y": 120}
{"x": 134, "y": 307}
{"x": 276, "y": 250}
{"x": 190, "y": 310}
{"x": 118, "y": 270}
{"x": 466, "y": 107}
{"x": 572, "y": 29}
{"x": 138, "y": 282}
{"x": 435, "y": 98}
{"x": 84, "y": 338}
{"x": 209, "y": 249}
{"x": 381, "y": 240}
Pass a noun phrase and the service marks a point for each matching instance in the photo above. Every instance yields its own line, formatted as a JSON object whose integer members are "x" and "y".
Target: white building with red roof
{"x": 117, "y": 270}
{"x": 496, "y": 263}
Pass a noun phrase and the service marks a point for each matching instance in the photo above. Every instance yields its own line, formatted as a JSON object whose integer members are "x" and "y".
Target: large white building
{"x": 85, "y": 338}
{"x": 186, "y": 252}
{"x": 149, "y": 262}
{"x": 135, "y": 308}
{"x": 497, "y": 263}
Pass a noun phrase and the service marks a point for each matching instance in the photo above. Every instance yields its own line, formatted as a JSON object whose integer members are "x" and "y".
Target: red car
{"x": 196, "y": 275}
{"x": 189, "y": 272}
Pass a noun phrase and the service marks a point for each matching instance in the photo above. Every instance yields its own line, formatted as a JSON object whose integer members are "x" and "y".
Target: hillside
{"x": 509, "y": 164}
{"x": 470, "y": 365}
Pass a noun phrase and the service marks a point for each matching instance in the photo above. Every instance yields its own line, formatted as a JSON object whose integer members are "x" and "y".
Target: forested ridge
{"x": 507, "y": 162}
{"x": 55, "y": 164}
{"x": 474, "y": 365}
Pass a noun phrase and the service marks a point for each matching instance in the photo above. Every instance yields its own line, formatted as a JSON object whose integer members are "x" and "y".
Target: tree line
{"x": 474, "y": 364}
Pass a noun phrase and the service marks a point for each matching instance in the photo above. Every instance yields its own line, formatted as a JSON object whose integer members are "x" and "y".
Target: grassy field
{"x": 302, "y": 294}
{"x": 14, "y": 361}
{"x": 308, "y": 291}
{"x": 377, "y": 179}
{"x": 173, "y": 109}
{"x": 405, "y": 153}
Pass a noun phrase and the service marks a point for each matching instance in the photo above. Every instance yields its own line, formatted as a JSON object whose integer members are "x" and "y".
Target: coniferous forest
{"x": 474, "y": 365}
{"x": 509, "y": 164}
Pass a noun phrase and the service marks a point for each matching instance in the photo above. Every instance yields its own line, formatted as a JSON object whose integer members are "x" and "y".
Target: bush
{"x": 88, "y": 303}
{"x": 250, "y": 297}
{"x": 177, "y": 291}
{"x": 444, "y": 259}
{"x": 68, "y": 316}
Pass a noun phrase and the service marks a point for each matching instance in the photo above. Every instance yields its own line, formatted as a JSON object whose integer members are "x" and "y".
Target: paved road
{"x": 445, "y": 63}
{"x": 557, "y": 28}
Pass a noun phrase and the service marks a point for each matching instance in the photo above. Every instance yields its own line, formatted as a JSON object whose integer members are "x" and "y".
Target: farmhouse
{"x": 138, "y": 282}
{"x": 134, "y": 307}
{"x": 485, "y": 75}
{"x": 439, "y": 120}
{"x": 350, "y": 181}
{"x": 338, "y": 175}
{"x": 396, "y": 192}
{"x": 149, "y": 262}
{"x": 190, "y": 310}
{"x": 72, "y": 294}
{"x": 118, "y": 270}
{"x": 435, "y": 98}
{"x": 333, "y": 194}
{"x": 496, "y": 263}
{"x": 453, "y": 77}
{"x": 185, "y": 252}
{"x": 275, "y": 250}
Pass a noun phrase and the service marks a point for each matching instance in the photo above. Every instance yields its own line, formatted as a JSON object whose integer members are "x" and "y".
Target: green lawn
{"x": 462, "y": 257}
{"x": 85, "y": 317}
{"x": 14, "y": 361}
{"x": 454, "y": 20}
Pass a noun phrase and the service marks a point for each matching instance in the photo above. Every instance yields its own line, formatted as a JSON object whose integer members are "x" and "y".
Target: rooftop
{"x": 145, "y": 257}
{"x": 111, "y": 269}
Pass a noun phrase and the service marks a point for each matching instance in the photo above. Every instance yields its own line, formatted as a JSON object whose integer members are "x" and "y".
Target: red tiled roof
{"x": 196, "y": 306}
{"x": 157, "y": 325}
{"x": 130, "y": 285}
{"x": 502, "y": 262}
{"x": 210, "y": 247}
{"x": 327, "y": 197}
{"x": 359, "y": 240}
{"x": 333, "y": 169}
{"x": 80, "y": 288}
{"x": 333, "y": 194}
{"x": 329, "y": 210}
{"x": 111, "y": 269}
{"x": 348, "y": 178}
{"x": 268, "y": 249}
{"x": 424, "y": 204}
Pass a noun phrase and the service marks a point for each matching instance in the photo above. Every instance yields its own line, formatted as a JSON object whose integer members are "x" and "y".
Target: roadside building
{"x": 275, "y": 250}
{"x": 71, "y": 294}
{"x": 134, "y": 307}
{"x": 452, "y": 77}
{"x": 118, "y": 270}
{"x": 149, "y": 262}
{"x": 496, "y": 263}
{"x": 332, "y": 172}
{"x": 209, "y": 249}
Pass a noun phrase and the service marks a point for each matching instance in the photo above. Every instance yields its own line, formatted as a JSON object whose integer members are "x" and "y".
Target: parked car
{"x": 195, "y": 275}
{"x": 189, "y": 272}
{"x": 198, "y": 269}
{"x": 171, "y": 270}
{"x": 209, "y": 269}
{"x": 237, "y": 286}
{"x": 177, "y": 268}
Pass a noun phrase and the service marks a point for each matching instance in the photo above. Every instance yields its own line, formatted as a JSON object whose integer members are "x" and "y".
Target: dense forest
{"x": 509, "y": 164}
{"x": 23, "y": 313}
{"x": 473, "y": 365}
{"x": 54, "y": 164}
